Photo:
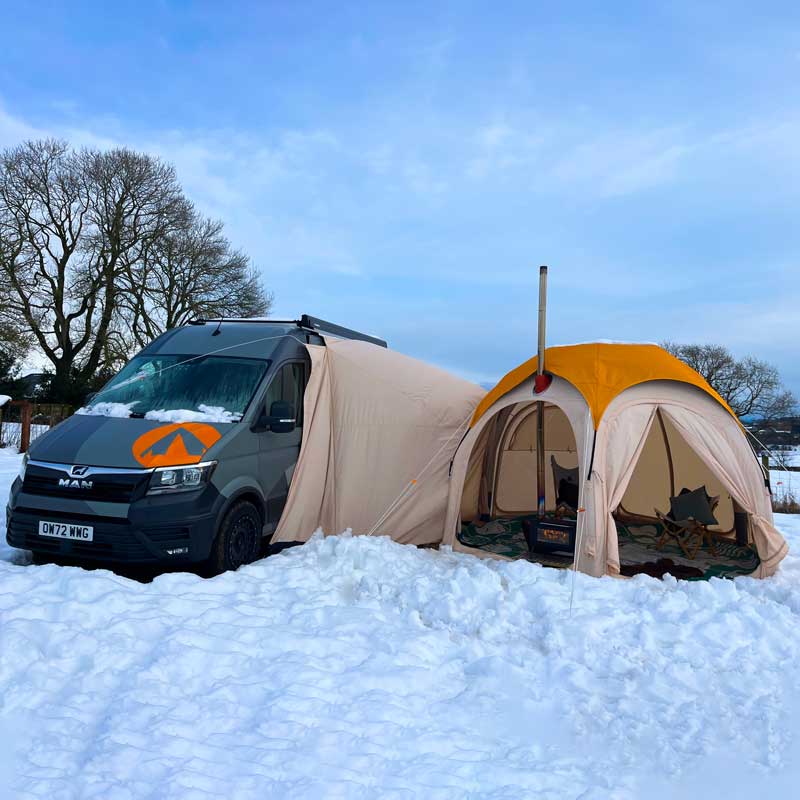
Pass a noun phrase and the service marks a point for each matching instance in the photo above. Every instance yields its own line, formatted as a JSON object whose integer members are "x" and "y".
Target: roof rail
{"x": 322, "y": 326}
{"x": 306, "y": 321}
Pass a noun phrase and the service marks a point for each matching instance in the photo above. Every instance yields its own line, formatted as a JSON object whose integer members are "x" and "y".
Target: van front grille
{"x": 112, "y": 487}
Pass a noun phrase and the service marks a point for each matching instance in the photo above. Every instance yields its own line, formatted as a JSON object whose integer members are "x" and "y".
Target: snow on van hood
{"x": 121, "y": 410}
{"x": 204, "y": 414}
{"x": 124, "y": 410}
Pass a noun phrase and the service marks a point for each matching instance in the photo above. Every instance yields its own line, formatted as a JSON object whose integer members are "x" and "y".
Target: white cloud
{"x": 13, "y": 130}
{"x": 502, "y": 147}
{"x": 623, "y": 163}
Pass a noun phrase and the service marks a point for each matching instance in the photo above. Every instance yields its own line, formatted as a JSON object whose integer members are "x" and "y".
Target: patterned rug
{"x": 637, "y": 546}
{"x": 637, "y": 551}
{"x": 505, "y": 537}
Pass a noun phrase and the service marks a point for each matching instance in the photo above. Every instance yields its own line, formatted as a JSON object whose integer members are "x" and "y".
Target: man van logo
{"x": 74, "y": 483}
{"x": 77, "y": 471}
{"x": 174, "y": 444}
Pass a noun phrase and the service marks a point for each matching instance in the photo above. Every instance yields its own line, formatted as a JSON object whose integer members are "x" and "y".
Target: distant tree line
{"x": 750, "y": 386}
{"x": 101, "y": 251}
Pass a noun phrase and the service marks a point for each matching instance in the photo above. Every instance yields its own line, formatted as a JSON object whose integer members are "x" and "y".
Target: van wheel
{"x": 238, "y": 539}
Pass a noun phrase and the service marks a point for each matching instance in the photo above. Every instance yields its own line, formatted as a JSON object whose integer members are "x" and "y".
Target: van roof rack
{"x": 322, "y": 326}
{"x": 306, "y": 321}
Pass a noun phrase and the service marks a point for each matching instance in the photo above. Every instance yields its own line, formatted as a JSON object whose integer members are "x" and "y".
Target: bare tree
{"x": 750, "y": 386}
{"x": 191, "y": 272}
{"x": 43, "y": 204}
{"x": 100, "y": 251}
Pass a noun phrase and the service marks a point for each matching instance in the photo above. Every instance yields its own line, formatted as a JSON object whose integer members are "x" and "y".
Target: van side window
{"x": 288, "y": 385}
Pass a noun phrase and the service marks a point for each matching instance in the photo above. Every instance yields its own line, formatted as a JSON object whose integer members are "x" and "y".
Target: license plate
{"x": 66, "y": 530}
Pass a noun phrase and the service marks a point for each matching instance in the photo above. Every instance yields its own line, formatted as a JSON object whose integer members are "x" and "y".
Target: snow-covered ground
{"x": 361, "y": 668}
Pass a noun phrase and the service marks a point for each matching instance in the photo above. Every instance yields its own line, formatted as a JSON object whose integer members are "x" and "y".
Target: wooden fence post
{"x": 25, "y": 414}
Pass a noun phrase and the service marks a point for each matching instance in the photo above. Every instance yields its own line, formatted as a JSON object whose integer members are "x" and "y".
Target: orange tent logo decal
{"x": 175, "y": 444}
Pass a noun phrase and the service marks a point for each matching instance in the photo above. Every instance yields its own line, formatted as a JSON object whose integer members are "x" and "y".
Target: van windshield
{"x": 180, "y": 388}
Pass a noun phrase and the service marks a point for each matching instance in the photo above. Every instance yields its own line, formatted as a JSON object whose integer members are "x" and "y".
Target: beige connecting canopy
{"x": 380, "y": 430}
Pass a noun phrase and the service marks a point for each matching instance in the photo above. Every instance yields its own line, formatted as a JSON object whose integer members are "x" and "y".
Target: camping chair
{"x": 565, "y": 480}
{"x": 690, "y": 514}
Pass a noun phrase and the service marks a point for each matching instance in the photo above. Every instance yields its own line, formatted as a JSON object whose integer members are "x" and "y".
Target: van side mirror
{"x": 281, "y": 418}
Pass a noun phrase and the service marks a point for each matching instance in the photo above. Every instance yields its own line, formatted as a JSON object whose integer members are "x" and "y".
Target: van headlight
{"x": 180, "y": 479}
{"x": 23, "y": 466}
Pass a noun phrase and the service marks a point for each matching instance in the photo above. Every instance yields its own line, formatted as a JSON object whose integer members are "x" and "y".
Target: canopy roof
{"x": 600, "y": 372}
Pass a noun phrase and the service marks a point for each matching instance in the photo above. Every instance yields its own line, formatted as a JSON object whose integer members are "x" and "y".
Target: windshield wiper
{"x": 137, "y": 415}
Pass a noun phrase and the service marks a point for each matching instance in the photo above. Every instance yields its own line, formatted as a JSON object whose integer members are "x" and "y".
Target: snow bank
{"x": 205, "y": 414}
{"x": 4, "y": 398}
{"x": 358, "y": 667}
{"x": 108, "y": 409}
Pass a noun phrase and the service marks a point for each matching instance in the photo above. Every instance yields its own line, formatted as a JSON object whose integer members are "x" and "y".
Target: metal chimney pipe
{"x": 540, "y": 386}
{"x": 542, "y": 317}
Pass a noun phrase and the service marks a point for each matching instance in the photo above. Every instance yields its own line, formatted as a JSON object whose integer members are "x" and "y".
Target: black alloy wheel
{"x": 239, "y": 538}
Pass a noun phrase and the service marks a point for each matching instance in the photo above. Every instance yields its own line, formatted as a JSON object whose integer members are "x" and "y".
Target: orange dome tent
{"x": 635, "y": 425}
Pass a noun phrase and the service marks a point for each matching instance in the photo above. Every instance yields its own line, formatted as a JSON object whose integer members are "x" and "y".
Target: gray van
{"x": 185, "y": 456}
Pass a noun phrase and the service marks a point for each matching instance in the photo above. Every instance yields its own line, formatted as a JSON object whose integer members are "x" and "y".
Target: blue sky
{"x": 405, "y": 167}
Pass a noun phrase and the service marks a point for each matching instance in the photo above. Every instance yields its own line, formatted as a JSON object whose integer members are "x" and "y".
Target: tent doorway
{"x": 501, "y": 488}
{"x": 666, "y": 468}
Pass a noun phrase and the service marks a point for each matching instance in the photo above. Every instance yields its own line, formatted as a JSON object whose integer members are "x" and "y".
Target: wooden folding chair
{"x": 688, "y": 520}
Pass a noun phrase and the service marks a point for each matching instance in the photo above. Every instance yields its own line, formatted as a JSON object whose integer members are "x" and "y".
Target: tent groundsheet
{"x": 637, "y": 548}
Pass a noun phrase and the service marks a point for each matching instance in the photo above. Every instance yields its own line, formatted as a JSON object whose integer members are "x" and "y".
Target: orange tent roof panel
{"x": 600, "y": 372}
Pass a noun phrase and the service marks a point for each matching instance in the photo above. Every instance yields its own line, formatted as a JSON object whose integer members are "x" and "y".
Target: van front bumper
{"x": 150, "y": 530}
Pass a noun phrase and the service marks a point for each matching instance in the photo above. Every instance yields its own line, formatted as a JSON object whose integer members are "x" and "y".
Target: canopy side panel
{"x": 395, "y": 423}
{"x": 305, "y": 503}
{"x": 475, "y": 482}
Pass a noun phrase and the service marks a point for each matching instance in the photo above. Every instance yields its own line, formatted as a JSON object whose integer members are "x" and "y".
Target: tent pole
{"x": 540, "y": 479}
{"x": 669, "y": 453}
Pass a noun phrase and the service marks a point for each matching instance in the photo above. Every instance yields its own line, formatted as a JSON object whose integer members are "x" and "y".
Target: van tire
{"x": 238, "y": 541}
